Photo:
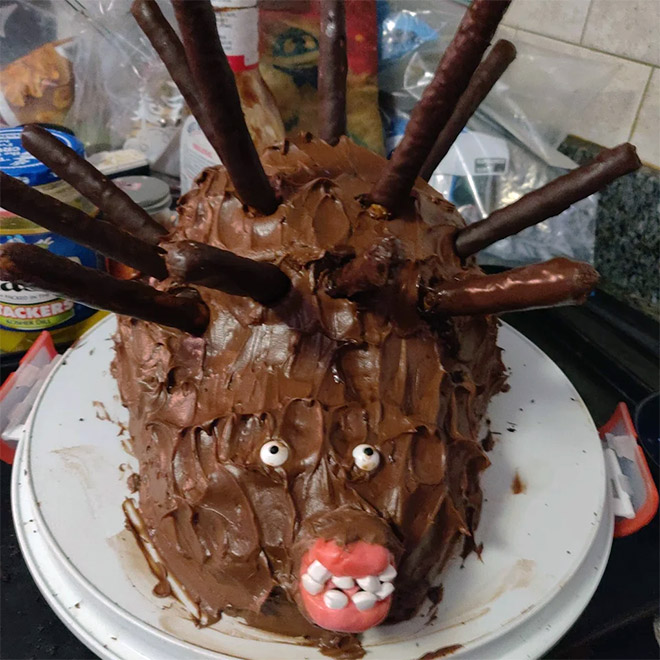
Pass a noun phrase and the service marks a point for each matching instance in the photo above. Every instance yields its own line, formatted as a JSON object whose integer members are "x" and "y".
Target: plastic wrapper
{"x": 510, "y": 145}
{"x": 20, "y": 390}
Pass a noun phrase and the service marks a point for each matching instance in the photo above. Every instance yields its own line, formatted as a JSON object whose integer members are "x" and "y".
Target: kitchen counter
{"x": 627, "y": 232}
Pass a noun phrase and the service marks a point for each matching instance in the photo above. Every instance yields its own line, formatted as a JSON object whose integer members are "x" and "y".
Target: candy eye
{"x": 274, "y": 453}
{"x": 366, "y": 457}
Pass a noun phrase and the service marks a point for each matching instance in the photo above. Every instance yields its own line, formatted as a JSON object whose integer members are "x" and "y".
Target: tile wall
{"x": 624, "y": 34}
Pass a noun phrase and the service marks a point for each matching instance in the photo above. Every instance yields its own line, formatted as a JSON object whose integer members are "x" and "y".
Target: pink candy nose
{"x": 347, "y": 589}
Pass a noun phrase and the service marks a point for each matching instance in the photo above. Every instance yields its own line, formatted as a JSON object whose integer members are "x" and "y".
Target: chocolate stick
{"x": 214, "y": 79}
{"x": 367, "y": 272}
{"x": 167, "y": 44}
{"x": 548, "y": 201}
{"x": 483, "y": 80}
{"x": 32, "y": 266}
{"x": 556, "y": 282}
{"x": 333, "y": 67}
{"x": 434, "y": 109}
{"x": 73, "y": 223}
{"x": 118, "y": 208}
{"x": 189, "y": 261}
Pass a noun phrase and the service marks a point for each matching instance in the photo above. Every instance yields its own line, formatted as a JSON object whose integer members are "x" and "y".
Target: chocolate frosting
{"x": 559, "y": 281}
{"x": 322, "y": 373}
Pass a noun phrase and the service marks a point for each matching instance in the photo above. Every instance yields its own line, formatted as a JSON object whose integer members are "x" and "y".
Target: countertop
{"x": 627, "y": 231}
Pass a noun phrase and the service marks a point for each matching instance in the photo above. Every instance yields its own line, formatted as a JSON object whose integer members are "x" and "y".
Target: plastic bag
{"x": 510, "y": 146}
{"x": 36, "y": 73}
{"x": 88, "y": 67}
{"x": 570, "y": 234}
{"x": 124, "y": 95}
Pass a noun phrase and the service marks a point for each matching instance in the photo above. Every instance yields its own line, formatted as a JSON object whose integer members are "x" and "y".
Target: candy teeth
{"x": 343, "y": 582}
{"x": 372, "y": 588}
{"x": 311, "y": 585}
{"x": 386, "y": 590}
{"x": 335, "y": 599}
{"x": 318, "y": 572}
{"x": 370, "y": 583}
{"x": 364, "y": 600}
{"x": 388, "y": 574}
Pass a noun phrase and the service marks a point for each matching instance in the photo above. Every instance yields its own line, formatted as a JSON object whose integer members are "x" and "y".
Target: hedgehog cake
{"x": 307, "y": 356}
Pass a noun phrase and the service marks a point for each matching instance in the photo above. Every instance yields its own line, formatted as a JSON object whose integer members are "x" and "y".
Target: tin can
{"x": 26, "y": 312}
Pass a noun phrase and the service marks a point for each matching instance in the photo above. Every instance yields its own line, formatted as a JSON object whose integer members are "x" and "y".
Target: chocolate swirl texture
{"x": 322, "y": 373}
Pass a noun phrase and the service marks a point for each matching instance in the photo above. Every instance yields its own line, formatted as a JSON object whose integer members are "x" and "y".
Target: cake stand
{"x": 545, "y": 526}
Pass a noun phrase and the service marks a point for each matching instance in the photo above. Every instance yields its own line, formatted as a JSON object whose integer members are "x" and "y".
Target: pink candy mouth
{"x": 347, "y": 589}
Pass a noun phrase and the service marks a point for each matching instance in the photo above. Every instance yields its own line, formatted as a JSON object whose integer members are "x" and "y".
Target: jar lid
{"x": 21, "y": 164}
{"x": 150, "y": 193}
{"x": 233, "y": 4}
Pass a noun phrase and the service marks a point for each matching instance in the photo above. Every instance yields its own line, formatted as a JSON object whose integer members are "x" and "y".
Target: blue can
{"x": 26, "y": 312}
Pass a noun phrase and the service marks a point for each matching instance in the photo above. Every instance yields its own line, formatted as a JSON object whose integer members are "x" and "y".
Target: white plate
{"x": 111, "y": 636}
{"x": 534, "y": 542}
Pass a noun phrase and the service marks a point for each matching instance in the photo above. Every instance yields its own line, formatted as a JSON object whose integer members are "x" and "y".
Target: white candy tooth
{"x": 311, "y": 585}
{"x": 319, "y": 572}
{"x": 343, "y": 582}
{"x": 386, "y": 590}
{"x": 369, "y": 583}
{"x": 364, "y": 600}
{"x": 388, "y": 574}
{"x": 335, "y": 599}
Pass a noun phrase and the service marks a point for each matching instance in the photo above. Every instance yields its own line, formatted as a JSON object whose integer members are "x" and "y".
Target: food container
{"x": 238, "y": 28}
{"x": 26, "y": 312}
{"x": 154, "y": 196}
